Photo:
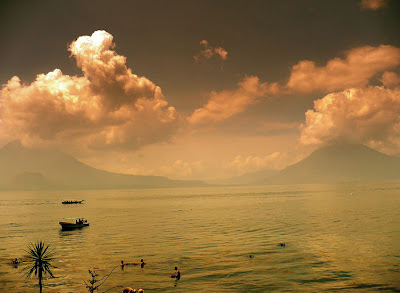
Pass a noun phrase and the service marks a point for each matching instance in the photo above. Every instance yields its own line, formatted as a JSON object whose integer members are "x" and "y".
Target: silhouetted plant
{"x": 38, "y": 262}
{"x": 93, "y": 284}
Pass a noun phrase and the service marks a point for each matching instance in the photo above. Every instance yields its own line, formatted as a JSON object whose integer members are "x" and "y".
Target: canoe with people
{"x": 73, "y": 201}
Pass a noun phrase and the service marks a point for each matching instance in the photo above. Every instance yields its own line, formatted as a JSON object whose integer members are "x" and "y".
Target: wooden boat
{"x": 72, "y": 201}
{"x": 73, "y": 223}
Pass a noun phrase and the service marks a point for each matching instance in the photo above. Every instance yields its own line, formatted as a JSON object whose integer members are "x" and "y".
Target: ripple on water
{"x": 337, "y": 244}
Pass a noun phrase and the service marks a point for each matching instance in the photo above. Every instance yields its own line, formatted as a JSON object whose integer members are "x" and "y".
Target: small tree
{"x": 93, "y": 284}
{"x": 38, "y": 259}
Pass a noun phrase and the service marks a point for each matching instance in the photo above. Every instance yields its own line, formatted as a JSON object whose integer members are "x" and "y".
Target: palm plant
{"x": 38, "y": 259}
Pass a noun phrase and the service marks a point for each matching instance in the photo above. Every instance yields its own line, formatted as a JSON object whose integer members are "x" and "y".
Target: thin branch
{"x": 107, "y": 276}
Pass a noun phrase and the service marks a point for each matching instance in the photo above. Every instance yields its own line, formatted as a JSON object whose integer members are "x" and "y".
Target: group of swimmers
{"x": 142, "y": 263}
{"x": 176, "y": 275}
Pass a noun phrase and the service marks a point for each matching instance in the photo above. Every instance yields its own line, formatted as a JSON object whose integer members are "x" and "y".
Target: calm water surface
{"x": 338, "y": 238}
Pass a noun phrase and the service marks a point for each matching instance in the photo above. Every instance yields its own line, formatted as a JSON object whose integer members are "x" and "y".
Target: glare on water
{"x": 338, "y": 237}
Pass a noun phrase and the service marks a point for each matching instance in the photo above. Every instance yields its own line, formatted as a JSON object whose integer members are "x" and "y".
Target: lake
{"x": 338, "y": 238}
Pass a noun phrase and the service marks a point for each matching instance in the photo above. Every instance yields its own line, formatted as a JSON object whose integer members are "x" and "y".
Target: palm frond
{"x": 38, "y": 259}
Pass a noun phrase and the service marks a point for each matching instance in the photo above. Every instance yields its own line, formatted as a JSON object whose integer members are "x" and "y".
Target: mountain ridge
{"x": 337, "y": 163}
{"x": 341, "y": 163}
{"x": 62, "y": 171}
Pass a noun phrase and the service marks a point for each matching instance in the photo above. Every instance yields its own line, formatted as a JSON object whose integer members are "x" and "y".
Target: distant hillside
{"x": 253, "y": 178}
{"x": 25, "y": 168}
{"x": 28, "y": 180}
{"x": 340, "y": 163}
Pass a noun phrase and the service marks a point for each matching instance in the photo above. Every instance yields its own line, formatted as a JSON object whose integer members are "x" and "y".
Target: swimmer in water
{"x": 177, "y": 274}
{"x": 142, "y": 263}
{"x": 15, "y": 262}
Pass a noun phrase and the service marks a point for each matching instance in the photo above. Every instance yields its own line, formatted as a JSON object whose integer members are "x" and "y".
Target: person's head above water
{"x": 176, "y": 268}
{"x": 141, "y": 260}
{"x": 122, "y": 262}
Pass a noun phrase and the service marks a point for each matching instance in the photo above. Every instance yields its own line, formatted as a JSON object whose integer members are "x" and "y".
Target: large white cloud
{"x": 108, "y": 107}
{"x": 225, "y": 104}
{"x": 359, "y": 66}
{"x": 359, "y": 115}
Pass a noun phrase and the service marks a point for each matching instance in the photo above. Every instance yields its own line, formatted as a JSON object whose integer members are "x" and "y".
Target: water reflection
{"x": 332, "y": 241}
{"x": 79, "y": 232}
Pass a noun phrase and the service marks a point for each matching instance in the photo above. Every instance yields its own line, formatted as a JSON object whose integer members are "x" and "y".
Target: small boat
{"x": 73, "y": 223}
{"x": 72, "y": 201}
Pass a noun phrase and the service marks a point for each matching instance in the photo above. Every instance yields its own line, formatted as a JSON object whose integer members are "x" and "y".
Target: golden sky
{"x": 199, "y": 89}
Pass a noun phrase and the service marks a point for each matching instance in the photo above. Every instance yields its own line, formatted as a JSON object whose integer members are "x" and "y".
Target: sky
{"x": 199, "y": 89}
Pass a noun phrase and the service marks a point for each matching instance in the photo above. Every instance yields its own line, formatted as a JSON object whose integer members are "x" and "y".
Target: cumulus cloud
{"x": 390, "y": 79}
{"x": 359, "y": 66}
{"x": 107, "y": 107}
{"x": 252, "y": 163}
{"x": 224, "y": 104}
{"x": 355, "y": 70}
{"x": 359, "y": 115}
{"x": 180, "y": 169}
{"x": 209, "y": 52}
{"x": 373, "y": 4}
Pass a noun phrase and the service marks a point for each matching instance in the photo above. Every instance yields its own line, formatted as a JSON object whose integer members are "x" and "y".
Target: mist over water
{"x": 338, "y": 238}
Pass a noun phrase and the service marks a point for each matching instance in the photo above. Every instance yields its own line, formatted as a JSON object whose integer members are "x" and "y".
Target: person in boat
{"x": 142, "y": 263}
{"x": 177, "y": 274}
